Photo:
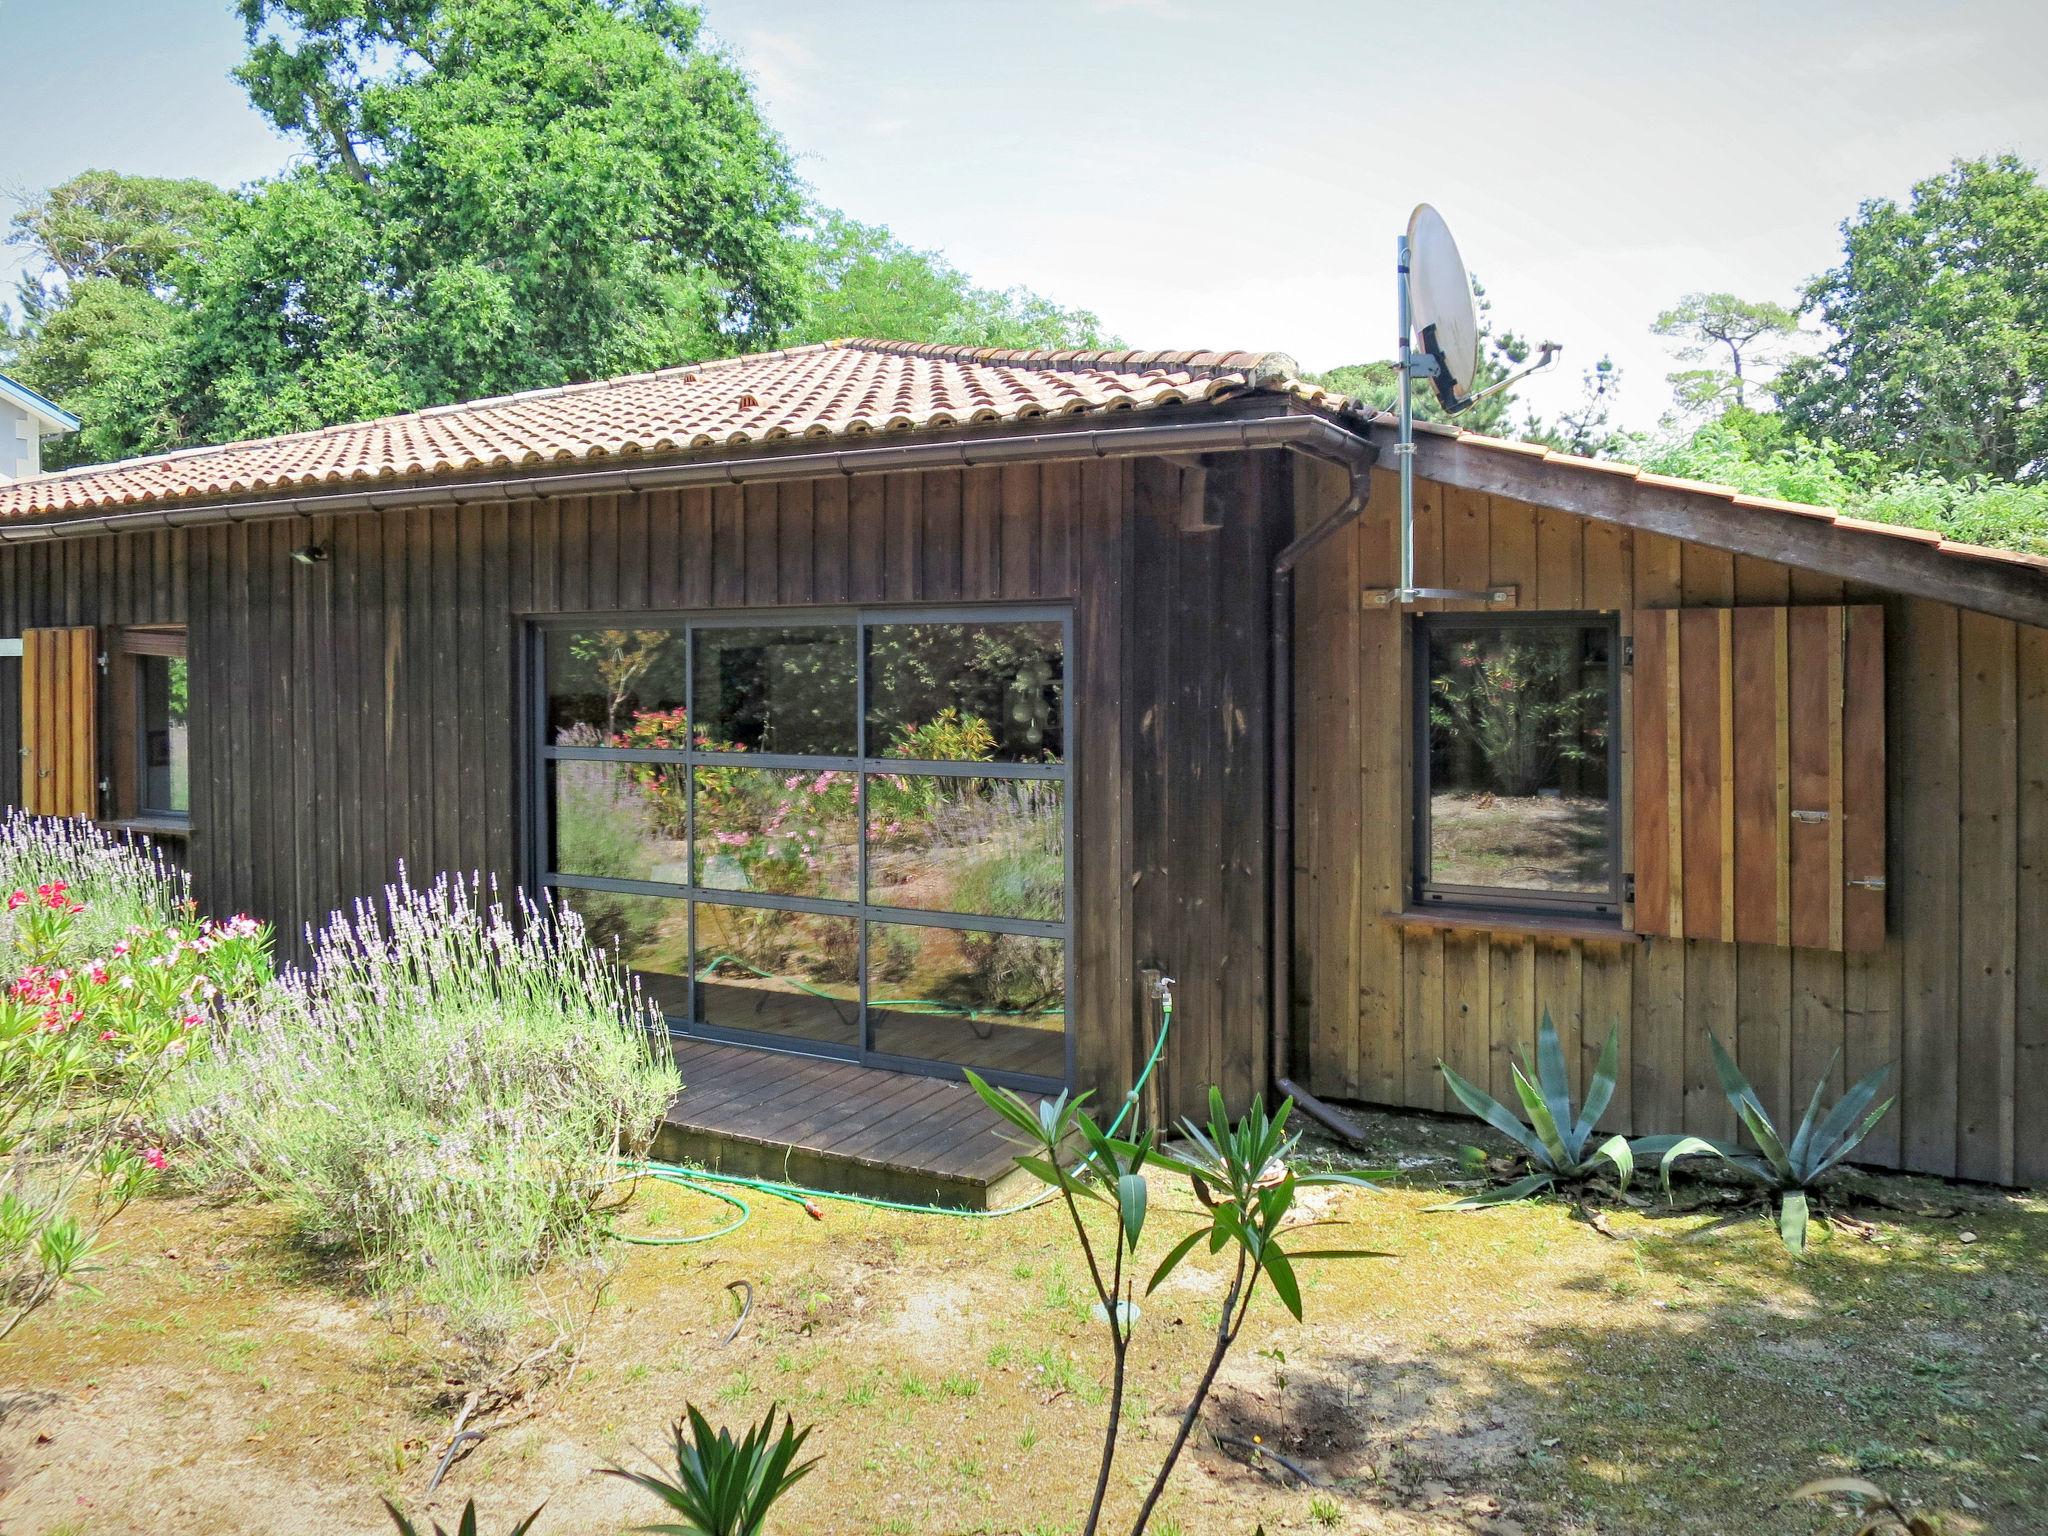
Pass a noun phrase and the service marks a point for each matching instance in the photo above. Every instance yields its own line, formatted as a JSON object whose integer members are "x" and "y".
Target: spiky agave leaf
{"x": 1494, "y": 1113}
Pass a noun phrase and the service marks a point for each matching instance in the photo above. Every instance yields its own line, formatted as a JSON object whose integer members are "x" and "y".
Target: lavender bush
{"x": 121, "y": 883}
{"x": 443, "y": 1092}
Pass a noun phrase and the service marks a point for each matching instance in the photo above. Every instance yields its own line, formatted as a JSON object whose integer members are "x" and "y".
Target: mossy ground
{"x": 1511, "y": 1371}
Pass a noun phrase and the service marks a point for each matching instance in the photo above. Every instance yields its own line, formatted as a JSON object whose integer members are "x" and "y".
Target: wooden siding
{"x": 1957, "y": 996}
{"x": 359, "y": 713}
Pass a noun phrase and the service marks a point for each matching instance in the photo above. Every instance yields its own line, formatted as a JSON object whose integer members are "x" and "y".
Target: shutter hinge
{"x": 1628, "y": 653}
{"x": 103, "y": 661}
{"x": 1628, "y": 888}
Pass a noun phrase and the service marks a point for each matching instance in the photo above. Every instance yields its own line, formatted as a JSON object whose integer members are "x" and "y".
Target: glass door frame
{"x": 539, "y": 753}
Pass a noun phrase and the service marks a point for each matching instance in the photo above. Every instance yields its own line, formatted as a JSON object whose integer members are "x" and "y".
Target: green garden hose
{"x": 703, "y": 1181}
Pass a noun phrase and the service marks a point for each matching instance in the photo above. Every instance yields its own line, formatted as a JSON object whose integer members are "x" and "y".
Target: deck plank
{"x": 835, "y": 1125}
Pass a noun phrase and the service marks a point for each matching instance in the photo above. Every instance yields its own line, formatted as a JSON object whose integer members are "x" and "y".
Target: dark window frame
{"x": 127, "y": 731}
{"x": 1439, "y": 896}
{"x": 540, "y": 752}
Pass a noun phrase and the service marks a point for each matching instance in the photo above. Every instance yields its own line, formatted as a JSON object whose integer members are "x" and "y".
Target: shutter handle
{"x": 1809, "y": 815}
{"x": 1872, "y": 883}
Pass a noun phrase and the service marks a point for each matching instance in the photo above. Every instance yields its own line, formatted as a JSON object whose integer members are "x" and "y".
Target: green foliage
{"x": 441, "y": 1093}
{"x": 1709, "y": 323}
{"x": 1518, "y": 708}
{"x": 1789, "y": 1170}
{"x": 863, "y": 281}
{"x": 466, "y": 1526}
{"x": 1240, "y": 1173}
{"x": 92, "y": 1027}
{"x": 131, "y": 231}
{"x": 1558, "y": 1144}
{"x": 725, "y": 1487}
{"x": 1760, "y": 453}
{"x": 1936, "y": 360}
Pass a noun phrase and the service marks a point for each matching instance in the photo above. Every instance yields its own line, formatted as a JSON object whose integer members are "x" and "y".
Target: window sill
{"x": 1538, "y": 924}
{"x": 151, "y": 826}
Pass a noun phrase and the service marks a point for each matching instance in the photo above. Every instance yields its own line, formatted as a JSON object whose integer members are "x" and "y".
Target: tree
{"x": 126, "y": 229}
{"x": 1708, "y": 322}
{"x": 863, "y": 281}
{"x": 1582, "y": 428}
{"x": 1378, "y": 384}
{"x": 1937, "y": 353}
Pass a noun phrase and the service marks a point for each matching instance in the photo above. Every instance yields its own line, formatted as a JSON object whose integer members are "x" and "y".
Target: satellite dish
{"x": 1445, "y": 318}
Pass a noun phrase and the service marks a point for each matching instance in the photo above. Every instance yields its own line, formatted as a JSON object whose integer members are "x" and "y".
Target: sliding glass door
{"x": 843, "y": 835}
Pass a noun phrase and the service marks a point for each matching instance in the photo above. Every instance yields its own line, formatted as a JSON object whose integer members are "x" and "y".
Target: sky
{"x": 1234, "y": 175}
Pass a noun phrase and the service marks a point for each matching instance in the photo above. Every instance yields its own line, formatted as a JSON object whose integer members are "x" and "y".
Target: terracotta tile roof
{"x": 831, "y": 389}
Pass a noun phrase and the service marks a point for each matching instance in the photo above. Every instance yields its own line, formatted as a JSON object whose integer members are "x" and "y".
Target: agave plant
{"x": 725, "y": 1487}
{"x": 1788, "y": 1171}
{"x": 465, "y": 1527}
{"x": 1558, "y": 1144}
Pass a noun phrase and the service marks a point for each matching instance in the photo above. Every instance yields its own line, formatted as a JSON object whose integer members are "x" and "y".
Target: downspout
{"x": 1359, "y": 465}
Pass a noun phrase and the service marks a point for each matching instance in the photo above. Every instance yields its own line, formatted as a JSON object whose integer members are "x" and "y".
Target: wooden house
{"x": 896, "y": 709}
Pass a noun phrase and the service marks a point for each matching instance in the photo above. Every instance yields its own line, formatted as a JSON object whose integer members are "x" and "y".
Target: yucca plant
{"x": 725, "y": 1487}
{"x": 465, "y": 1527}
{"x": 1788, "y": 1171}
{"x": 1558, "y": 1144}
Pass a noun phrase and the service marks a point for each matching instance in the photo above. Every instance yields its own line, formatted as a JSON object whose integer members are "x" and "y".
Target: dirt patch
{"x": 1504, "y": 1374}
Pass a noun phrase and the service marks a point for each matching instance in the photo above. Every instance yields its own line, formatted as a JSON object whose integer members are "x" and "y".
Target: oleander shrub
{"x": 440, "y": 1094}
{"x": 115, "y": 986}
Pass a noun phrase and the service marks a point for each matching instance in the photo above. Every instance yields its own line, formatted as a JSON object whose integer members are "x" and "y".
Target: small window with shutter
{"x": 1759, "y": 780}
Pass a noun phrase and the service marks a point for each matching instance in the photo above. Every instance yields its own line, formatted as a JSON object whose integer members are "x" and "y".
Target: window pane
{"x": 786, "y": 832}
{"x": 988, "y": 847}
{"x": 787, "y": 689}
{"x": 779, "y": 973}
{"x": 989, "y": 692}
{"x": 1518, "y": 758}
{"x": 649, "y": 935}
{"x": 624, "y": 821}
{"x": 993, "y": 1001}
{"x": 615, "y": 687}
{"x": 166, "y": 787}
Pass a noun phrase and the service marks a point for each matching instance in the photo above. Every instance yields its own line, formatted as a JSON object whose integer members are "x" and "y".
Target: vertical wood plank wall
{"x": 351, "y": 715}
{"x": 1958, "y": 998}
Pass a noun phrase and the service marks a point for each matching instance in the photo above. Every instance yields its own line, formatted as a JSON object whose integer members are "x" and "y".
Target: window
{"x": 1516, "y": 791}
{"x": 847, "y": 836}
{"x": 149, "y": 734}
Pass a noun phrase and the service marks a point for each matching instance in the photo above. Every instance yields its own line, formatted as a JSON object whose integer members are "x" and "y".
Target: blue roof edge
{"x": 49, "y": 410}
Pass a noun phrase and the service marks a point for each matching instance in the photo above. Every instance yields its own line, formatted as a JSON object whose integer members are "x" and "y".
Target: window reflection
{"x": 779, "y": 831}
{"x": 1518, "y": 773}
{"x": 786, "y": 689}
{"x": 166, "y": 779}
{"x": 615, "y": 687}
{"x": 769, "y": 972}
{"x": 993, "y": 1001}
{"x": 982, "y": 846}
{"x": 620, "y": 820}
{"x": 975, "y": 692}
{"x": 648, "y": 935}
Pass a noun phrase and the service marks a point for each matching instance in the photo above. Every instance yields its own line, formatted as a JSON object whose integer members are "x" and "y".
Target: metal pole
{"x": 1404, "y": 450}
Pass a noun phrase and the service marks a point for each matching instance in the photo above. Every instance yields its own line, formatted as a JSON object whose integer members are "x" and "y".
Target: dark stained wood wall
{"x": 358, "y": 714}
{"x": 1958, "y": 997}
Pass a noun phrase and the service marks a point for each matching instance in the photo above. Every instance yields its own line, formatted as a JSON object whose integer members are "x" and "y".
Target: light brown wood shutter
{"x": 1758, "y": 738}
{"x": 59, "y": 722}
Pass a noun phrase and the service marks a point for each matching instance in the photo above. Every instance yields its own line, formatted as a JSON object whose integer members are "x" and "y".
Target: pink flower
{"x": 156, "y": 1159}
{"x": 17, "y": 901}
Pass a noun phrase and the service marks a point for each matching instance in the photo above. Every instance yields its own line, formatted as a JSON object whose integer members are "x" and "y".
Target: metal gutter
{"x": 1305, "y": 433}
{"x": 1358, "y": 461}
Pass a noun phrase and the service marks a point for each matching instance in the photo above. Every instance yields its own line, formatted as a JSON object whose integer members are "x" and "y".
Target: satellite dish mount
{"x": 1439, "y": 342}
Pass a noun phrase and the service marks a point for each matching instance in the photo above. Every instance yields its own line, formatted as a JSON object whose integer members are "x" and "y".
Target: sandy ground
{"x": 1504, "y": 1374}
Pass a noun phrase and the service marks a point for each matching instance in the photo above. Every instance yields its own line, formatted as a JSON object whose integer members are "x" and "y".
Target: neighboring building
{"x": 901, "y": 706}
{"x": 26, "y": 418}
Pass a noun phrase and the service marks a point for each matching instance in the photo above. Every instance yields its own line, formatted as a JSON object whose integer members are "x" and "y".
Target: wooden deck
{"x": 834, "y": 1125}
